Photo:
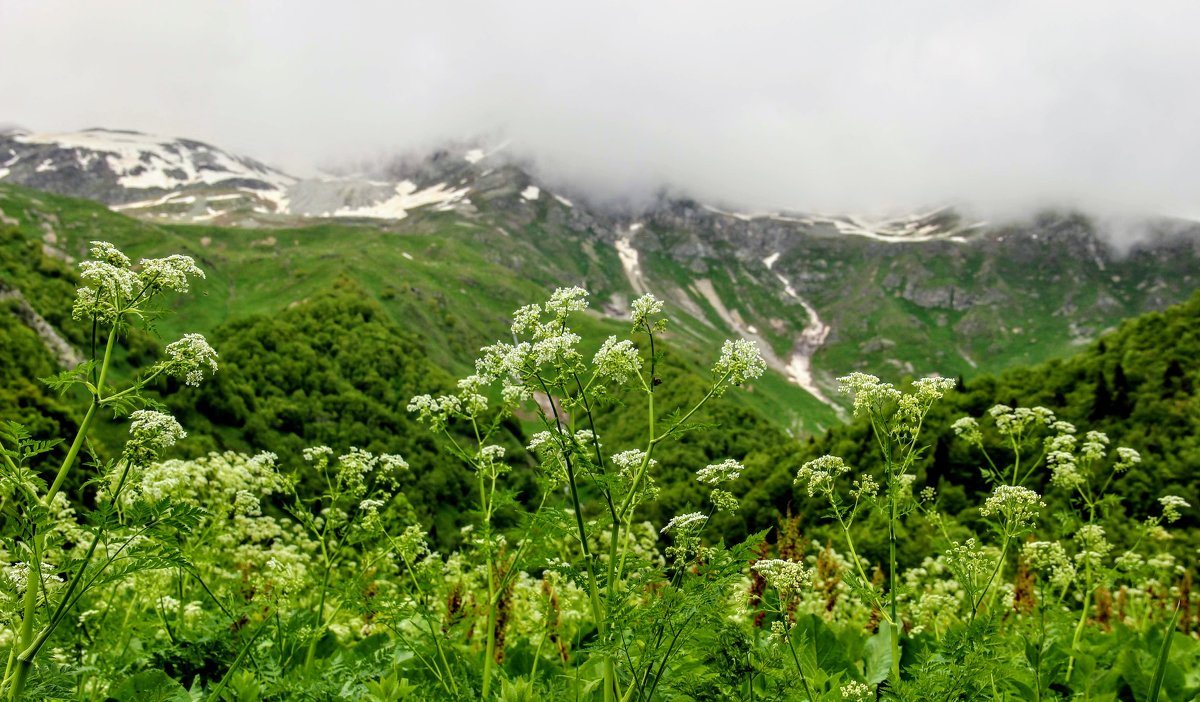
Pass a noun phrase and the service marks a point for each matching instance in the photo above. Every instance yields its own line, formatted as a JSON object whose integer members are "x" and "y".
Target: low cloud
{"x": 1001, "y": 107}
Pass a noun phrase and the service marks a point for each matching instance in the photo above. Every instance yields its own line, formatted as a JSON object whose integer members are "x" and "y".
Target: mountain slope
{"x": 822, "y": 294}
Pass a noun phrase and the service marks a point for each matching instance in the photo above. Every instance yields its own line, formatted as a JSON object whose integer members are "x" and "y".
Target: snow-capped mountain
{"x": 121, "y": 168}
{"x": 188, "y": 180}
{"x": 820, "y": 293}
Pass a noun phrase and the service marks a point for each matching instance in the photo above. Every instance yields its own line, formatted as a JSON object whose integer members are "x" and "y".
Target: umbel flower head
{"x": 111, "y": 287}
{"x": 189, "y": 357}
{"x": 786, "y": 576}
{"x": 740, "y": 361}
{"x": 151, "y": 432}
{"x": 1017, "y": 506}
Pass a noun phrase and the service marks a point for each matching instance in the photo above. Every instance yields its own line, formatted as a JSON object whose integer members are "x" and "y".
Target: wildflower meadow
{"x": 144, "y": 576}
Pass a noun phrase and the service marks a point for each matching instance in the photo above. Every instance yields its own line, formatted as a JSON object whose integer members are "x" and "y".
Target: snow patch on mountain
{"x": 142, "y": 161}
{"x": 407, "y": 197}
{"x": 812, "y": 337}
{"x": 629, "y": 262}
{"x": 531, "y": 193}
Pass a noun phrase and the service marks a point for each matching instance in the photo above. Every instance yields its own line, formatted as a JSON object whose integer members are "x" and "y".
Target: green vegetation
{"x": 591, "y": 512}
{"x": 598, "y": 557}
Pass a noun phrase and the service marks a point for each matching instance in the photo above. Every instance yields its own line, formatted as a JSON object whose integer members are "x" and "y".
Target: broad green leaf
{"x": 150, "y": 686}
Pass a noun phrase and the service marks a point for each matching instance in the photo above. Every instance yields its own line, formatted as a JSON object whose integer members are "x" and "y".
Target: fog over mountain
{"x": 801, "y": 105}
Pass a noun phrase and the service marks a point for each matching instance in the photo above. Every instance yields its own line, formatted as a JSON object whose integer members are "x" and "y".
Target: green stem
{"x": 893, "y": 580}
{"x": 995, "y": 571}
{"x": 1087, "y": 602}
{"x": 800, "y": 669}
{"x": 216, "y": 693}
{"x": 73, "y": 452}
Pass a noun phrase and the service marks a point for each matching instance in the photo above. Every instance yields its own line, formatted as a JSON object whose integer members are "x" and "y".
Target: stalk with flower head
{"x": 543, "y": 372}
{"x": 1084, "y": 472}
{"x": 115, "y": 293}
{"x": 895, "y": 418}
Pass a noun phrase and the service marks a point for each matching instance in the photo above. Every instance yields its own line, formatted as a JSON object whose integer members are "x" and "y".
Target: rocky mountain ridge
{"x": 822, "y": 294}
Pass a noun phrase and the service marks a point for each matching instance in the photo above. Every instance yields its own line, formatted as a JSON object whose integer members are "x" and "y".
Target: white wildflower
{"x": 617, "y": 360}
{"x": 725, "y": 471}
{"x": 1017, "y": 505}
{"x": 644, "y": 308}
{"x": 189, "y": 357}
{"x": 819, "y": 474}
{"x": 967, "y": 428}
{"x": 685, "y": 522}
{"x": 1171, "y": 505}
{"x": 170, "y": 273}
{"x": 786, "y": 576}
{"x": 869, "y": 393}
{"x": 740, "y": 361}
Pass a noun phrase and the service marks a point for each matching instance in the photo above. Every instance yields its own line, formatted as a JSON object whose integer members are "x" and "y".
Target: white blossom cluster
{"x": 1094, "y": 443}
{"x": 1017, "y": 506}
{"x": 1050, "y": 558}
{"x": 934, "y": 598}
{"x": 549, "y": 448}
{"x": 785, "y": 576}
{"x": 869, "y": 393}
{"x": 111, "y": 287}
{"x": 628, "y": 462}
{"x": 1171, "y": 504}
{"x": 644, "y": 308}
{"x": 170, "y": 273}
{"x": 1093, "y": 546}
{"x": 1014, "y": 422}
{"x": 740, "y": 360}
{"x": 819, "y": 475}
{"x": 725, "y": 471}
{"x": 435, "y": 411}
{"x": 149, "y": 433}
{"x": 857, "y": 692}
{"x": 189, "y": 358}
{"x": 228, "y": 479}
{"x": 617, "y": 360}
{"x": 1060, "y": 456}
{"x": 681, "y": 523}
{"x": 967, "y": 429}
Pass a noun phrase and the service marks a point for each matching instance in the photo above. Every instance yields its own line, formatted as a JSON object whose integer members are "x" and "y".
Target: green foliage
{"x": 580, "y": 518}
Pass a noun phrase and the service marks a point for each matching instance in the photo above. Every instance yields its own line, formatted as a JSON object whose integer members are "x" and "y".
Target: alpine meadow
{"x": 588, "y": 356}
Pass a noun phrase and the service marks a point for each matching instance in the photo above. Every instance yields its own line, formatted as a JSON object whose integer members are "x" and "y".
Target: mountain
{"x": 822, "y": 294}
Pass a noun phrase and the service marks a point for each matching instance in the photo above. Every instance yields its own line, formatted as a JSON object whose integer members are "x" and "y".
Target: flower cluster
{"x": 111, "y": 287}
{"x": 1171, "y": 504}
{"x": 1017, "y": 506}
{"x": 740, "y": 361}
{"x": 786, "y": 576}
{"x": 189, "y": 357}
{"x": 1093, "y": 546}
{"x": 151, "y": 432}
{"x": 870, "y": 394}
{"x": 725, "y": 471}
{"x": 617, "y": 360}
{"x": 819, "y": 474}
{"x": 1050, "y": 557}
{"x": 857, "y": 692}
{"x": 967, "y": 428}
{"x": 683, "y": 523}
{"x": 170, "y": 273}
{"x": 1014, "y": 422}
{"x": 643, "y": 309}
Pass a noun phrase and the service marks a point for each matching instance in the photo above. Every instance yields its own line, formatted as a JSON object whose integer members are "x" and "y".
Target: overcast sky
{"x": 828, "y": 105}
